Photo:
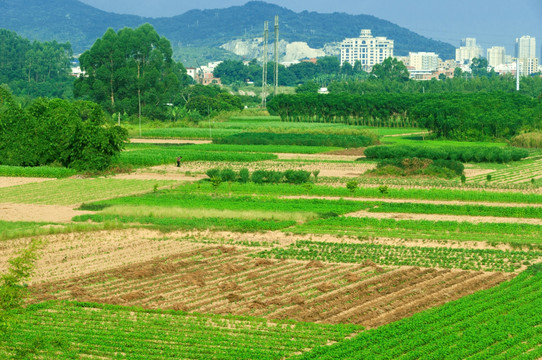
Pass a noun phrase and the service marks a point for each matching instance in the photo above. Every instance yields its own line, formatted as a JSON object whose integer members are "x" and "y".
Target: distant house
{"x": 209, "y": 79}
{"x": 323, "y": 90}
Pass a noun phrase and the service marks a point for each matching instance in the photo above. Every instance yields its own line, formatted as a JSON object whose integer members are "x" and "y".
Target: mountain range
{"x": 81, "y": 25}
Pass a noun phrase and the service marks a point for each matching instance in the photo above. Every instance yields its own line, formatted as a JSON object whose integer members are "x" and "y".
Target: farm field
{"x": 171, "y": 262}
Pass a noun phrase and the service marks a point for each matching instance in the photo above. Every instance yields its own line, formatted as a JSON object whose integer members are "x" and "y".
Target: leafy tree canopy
{"x": 72, "y": 134}
{"x": 391, "y": 69}
{"x": 131, "y": 71}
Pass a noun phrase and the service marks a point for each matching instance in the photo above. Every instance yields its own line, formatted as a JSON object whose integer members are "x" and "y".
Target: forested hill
{"x": 81, "y": 25}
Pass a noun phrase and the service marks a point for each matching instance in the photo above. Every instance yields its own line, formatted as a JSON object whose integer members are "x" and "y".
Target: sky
{"x": 491, "y": 22}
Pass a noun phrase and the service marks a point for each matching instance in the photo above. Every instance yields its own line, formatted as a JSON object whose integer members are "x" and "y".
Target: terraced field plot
{"x": 226, "y": 280}
{"x": 516, "y": 174}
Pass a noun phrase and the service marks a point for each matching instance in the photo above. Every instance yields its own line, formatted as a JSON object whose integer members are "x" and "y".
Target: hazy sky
{"x": 492, "y": 22}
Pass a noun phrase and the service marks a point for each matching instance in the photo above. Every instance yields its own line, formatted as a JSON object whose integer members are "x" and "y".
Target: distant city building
{"x": 468, "y": 51}
{"x": 528, "y": 66}
{"x": 526, "y": 47}
{"x": 426, "y": 61}
{"x": 367, "y": 49}
{"x": 496, "y": 56}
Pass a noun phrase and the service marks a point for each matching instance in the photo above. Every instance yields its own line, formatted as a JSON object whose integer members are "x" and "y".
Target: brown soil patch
{"x": 169, "y": 141}
{"x": 38, "y": 213}
{"x": 322, "y": 156}
{"x": 285, "y": 289}
{"x": 314, "y": 264}
{"x": 438, "y": 217}
{"x": 6, "y": 181}
{"x": 357, "y": 152}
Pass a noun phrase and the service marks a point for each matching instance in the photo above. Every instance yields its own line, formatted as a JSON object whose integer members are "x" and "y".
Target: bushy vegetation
{"x": 417, "y": 166}
{"x": 346, "y": 141}
{"x": 532, "y": 140}
{"x": 72, "y": 134}
{"x": 455, "y": 153}
{"x": 260, "y": 176}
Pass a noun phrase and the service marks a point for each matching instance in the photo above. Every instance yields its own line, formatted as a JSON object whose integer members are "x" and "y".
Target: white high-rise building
{"x": 423, "y": 61}
{"x": 526, "y": 47}
{"x": 528, "y": 66}
{"x": 468, "y": 51}
{"x": 496, "y": 56}
{"x": 367, "y": 49}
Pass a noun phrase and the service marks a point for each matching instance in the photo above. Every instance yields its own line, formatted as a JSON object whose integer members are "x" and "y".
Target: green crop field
{"x": 272, "y": 251}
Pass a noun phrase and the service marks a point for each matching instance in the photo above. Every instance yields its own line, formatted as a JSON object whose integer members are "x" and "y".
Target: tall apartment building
{"x": 526, "y": 53}
{"x": 423, "y": 61}
{"x": 367, "y": 49}
{"x": 526, "y": 47}
{"x": 496, "y": 56}
{"x": 468, "y": 51}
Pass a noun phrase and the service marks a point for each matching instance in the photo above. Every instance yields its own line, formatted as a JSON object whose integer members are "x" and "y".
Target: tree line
{"x": 460, "y": 116}
{"x": 35, "y": 69}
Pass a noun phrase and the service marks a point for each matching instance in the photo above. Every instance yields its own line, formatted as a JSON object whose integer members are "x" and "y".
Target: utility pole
{"x": 264, "y": 69}
{"x": 276, "y": 54}
{"x": 517, "y": 73}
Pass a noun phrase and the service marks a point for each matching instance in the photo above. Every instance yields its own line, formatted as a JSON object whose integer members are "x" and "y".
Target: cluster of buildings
{"x": 369, "y": 50}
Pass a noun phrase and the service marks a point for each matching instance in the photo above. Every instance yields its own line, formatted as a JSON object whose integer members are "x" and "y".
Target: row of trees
{"x": 35, "y": 68}
{"x": 454, "y": 116}
{"x": 324, "y": 70}
{"x": 73, "y": 134}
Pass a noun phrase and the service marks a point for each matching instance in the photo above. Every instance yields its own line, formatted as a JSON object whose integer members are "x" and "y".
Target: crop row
{"x": 67, "y": 330}
{"x": 75, "y": 191}
{"x": 345, "y": 141}
{"x": 398, "y": 255}
{"x": 424, "y": 229}
{"x": 470, "y": 210}
{"x": 167, "y": 155}
{"x": 500, "y": 323}
{"x": 369, "y": 192}
{"x": 457, "y": 153}
{"x": 175, "y": 199}
{"x": 520, "y": 173}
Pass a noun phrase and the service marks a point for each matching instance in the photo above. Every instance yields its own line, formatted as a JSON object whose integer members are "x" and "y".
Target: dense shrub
{"x": 260, "y": 176}
{"x": 346, "y": 141}
{"x": 74, "y": 134}
{"x": 297, "y": 176}
{"x": 457, "y": 153}
{"x": 417, "y": 166}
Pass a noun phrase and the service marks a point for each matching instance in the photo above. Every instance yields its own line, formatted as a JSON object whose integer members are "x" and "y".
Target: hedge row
{"x": 345, "y": 141}
{"x": 457, "y": 153}
{"x": 260, "y": 176}
{"x": 416, "y": 166}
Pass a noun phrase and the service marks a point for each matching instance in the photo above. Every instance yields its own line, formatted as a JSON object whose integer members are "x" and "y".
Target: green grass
{"x": 420, "y": 140}
{"x": 235, "y": 148}
{"x": 191, "y": 223}
{"x": 369, "y": 192}
{"x": 40, "y": 171}
{"x": 424, "y": 229}
{"x": 469, "y": 210}
{"x": 504, "y": 322}
{"x": 21, "y": 229}
{"x": 75, "y": 191}
{"x": 73, "y": 330}
{"x": 167, "y": 155}
{"x": 398, "y": 255}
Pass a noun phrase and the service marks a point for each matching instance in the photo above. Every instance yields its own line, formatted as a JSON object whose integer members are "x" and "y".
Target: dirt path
{"x": 38, "y": 213}
{"x": 169, "y": 141}
{"x": 416, "y": 201}
{"x": 440, "y": 217}
{"x": 6, "y": 181}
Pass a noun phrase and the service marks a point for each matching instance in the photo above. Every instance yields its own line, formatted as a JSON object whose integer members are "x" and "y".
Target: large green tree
{"x": 132, "y": 71}
{"x": 73, "y": 134}
{"x": 391, "y": 69}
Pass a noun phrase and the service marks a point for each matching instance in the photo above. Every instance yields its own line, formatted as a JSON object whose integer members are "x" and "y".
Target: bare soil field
{"x": 438, "y": 217}
{"x": 38, "y": 213}
{"x": 225, "y": 280}
{"x": 13, "y": 181}
{"x": 323, "y": 156}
